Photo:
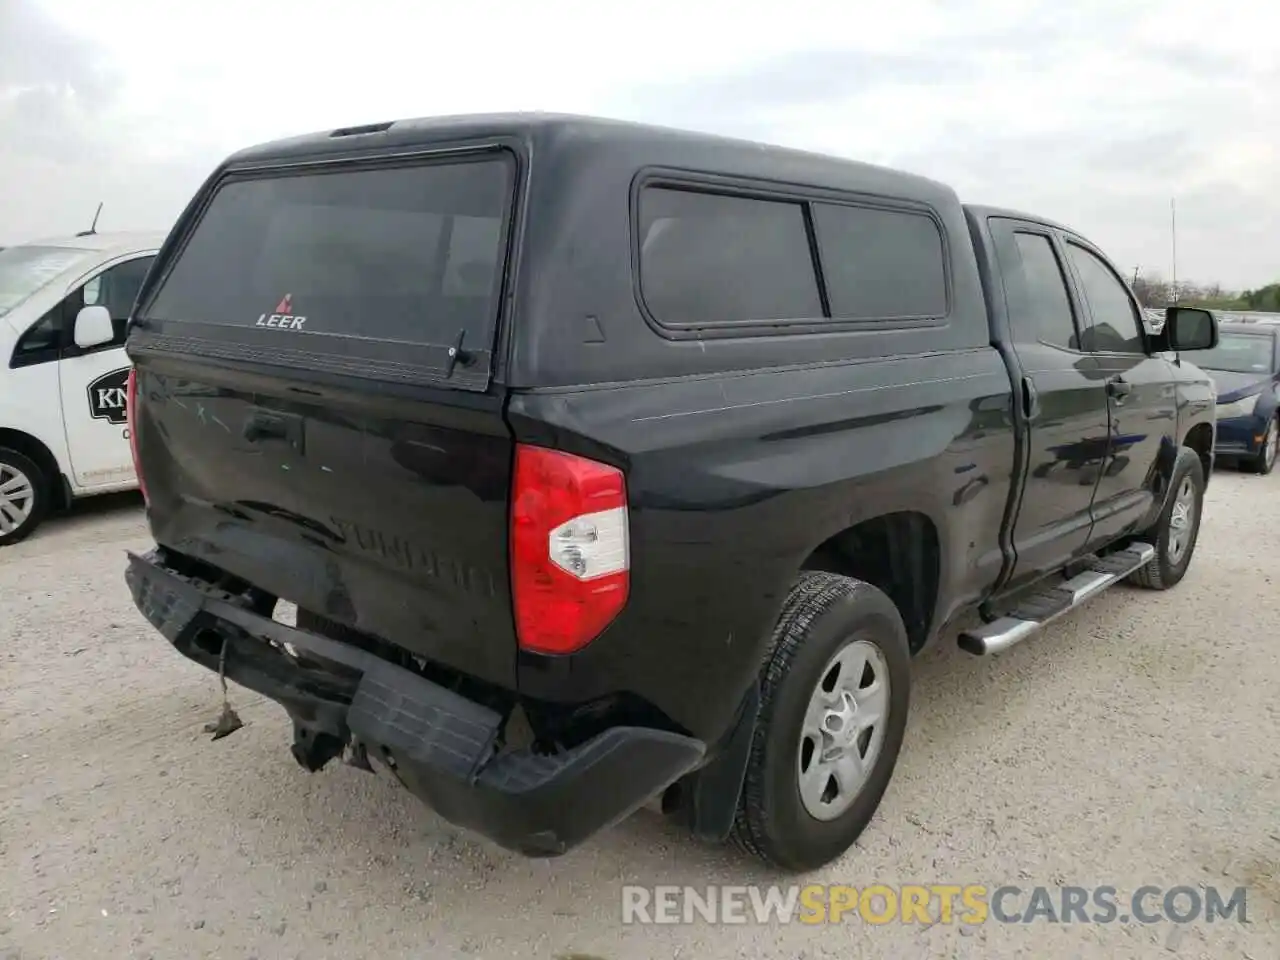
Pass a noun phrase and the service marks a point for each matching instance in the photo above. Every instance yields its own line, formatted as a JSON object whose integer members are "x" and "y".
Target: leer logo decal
{"x": 107, "y": 396}
{"x": 284, "y": 318}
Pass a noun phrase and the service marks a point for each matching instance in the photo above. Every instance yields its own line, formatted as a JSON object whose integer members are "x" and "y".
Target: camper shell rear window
{"x": 381, "y": 266}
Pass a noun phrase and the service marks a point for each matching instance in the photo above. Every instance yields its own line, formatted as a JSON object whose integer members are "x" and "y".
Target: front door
{"x": 92, "y": 382}
{"x": 1064, "y": 400}
{"x": 1142, "y": 402}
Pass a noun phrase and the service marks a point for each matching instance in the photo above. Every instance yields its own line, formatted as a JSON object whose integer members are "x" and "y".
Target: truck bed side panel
{"x": 733, "y": 484}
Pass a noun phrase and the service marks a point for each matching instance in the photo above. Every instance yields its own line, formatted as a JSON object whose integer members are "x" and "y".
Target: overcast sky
{"x": 1093, "y": 112}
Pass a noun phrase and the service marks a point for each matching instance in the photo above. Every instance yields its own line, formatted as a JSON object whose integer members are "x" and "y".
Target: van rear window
{"x": 408, "y": 254}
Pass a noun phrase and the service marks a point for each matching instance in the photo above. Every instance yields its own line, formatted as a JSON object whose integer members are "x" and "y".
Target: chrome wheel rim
{"x": 844, "y": 728}
{"x": 17, "y": 498}
{"x": 1182, "y": 520}
{"x": 1272, "y": 443}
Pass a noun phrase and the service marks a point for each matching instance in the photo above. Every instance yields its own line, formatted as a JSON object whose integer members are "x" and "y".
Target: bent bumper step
{"x": 445, "y": 748}
{"x": 1041, "y": 608}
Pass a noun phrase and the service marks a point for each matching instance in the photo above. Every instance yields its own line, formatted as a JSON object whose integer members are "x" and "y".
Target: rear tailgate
{"x": 315, "y": 410}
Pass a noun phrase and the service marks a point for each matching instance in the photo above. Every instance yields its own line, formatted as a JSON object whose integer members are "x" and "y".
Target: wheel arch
{"x": 900, "y": 554}
{"x": 1200, "y": 439}
{"x": 38, "y": 453}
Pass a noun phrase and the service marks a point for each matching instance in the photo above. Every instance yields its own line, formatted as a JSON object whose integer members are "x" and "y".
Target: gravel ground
{"x": 1134, "y": 742}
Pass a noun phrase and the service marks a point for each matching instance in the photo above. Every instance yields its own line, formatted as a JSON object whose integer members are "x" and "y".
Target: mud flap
{"x": 711, "y": 793}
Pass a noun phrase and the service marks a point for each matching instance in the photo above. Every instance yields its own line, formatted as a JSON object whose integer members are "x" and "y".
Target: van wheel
{"x": 1176, "y": 531}
{"x": 24, "y": 496}
{"x": 835, "y": 689}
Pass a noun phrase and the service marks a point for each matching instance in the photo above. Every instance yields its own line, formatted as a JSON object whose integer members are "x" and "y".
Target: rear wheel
{"x": 24, "y": 496}
{"x": 1265, "y": 461}
{"x": 1176, "y": 531}
{"x": 834, "y": 696}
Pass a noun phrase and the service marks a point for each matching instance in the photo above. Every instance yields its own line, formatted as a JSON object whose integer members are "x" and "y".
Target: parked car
{"x": 64, "y": 304}
{"x": 1245, "y": 367}
{"x": 606, "y": 462}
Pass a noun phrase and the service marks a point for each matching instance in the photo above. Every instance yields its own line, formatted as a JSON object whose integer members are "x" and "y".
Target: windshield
{"x": 24, "y": 270}
{"x": 1235, "y": 353}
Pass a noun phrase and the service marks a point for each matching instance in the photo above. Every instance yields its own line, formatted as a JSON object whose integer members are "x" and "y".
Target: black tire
{"x": 1265, "y": 461}
{"x": 40, "y": 494}
{"x": 823, "y": 613}
{"x": 1162, "y": 572}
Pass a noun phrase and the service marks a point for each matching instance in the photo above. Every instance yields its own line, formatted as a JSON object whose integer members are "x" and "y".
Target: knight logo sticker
{"x": 107, "y": 396}
{"x": 284, "y": 318}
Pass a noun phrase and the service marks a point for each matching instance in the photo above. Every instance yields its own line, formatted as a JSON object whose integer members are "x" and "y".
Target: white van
{"x": 63, "y": 371}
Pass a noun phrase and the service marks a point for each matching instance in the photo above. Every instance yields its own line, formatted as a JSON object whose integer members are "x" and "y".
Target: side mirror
{"x": 94, "y": 327}
{"x": 1190, "y": 328}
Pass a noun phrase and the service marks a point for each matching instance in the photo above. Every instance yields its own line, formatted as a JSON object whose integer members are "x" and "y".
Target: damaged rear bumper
{"x": 440, "y": 745}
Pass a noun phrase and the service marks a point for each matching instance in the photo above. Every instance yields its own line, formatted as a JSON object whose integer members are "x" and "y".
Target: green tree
{"x": 1266, "y": 299}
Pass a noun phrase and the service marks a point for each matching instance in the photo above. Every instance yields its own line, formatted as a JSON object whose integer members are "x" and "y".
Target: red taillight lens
{"x": 570, "y": 554}
{"x": 131, "y": 411}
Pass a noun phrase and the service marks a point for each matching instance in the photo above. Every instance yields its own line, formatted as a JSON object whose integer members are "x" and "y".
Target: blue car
{"x": 1245, "y": 366}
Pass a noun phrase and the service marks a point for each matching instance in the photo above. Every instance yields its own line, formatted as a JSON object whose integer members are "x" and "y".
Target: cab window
{"x": 1115, "y": 325}
{"x": 116, "y": 289}
{"x": 41, "y": 342}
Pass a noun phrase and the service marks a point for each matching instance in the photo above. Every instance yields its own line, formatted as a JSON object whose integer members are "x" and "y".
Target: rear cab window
{"x": 375, "y": 270}
{"x": 1039, "y": 304}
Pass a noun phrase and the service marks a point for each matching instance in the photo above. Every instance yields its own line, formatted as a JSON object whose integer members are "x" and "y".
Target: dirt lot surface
{"x": 1134, "y": 742}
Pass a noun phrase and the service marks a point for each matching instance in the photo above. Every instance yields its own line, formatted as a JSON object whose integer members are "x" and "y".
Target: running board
{"x": 1050, "y": 603}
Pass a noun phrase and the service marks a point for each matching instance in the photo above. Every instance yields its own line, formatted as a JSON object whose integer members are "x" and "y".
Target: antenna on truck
{"x": 93, "y": 227}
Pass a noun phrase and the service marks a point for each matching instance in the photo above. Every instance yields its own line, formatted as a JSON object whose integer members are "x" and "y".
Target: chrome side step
{"x": 1049, "y": 604}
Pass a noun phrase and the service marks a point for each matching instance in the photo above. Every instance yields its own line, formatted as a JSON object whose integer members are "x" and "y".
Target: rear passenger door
{"x": 1141, "y": 399}
{"x": 1063, "y": 396}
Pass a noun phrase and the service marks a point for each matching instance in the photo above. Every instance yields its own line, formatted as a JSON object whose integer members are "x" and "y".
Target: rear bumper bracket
{"x": 441, "y": 745}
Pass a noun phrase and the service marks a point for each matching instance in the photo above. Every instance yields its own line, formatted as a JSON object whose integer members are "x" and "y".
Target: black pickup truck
{"x": 607, "y": 463}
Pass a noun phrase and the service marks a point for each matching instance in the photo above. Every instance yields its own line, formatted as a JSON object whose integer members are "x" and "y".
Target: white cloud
{"x": 1094, "y": 113}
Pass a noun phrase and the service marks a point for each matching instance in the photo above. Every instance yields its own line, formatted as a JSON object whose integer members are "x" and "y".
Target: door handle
{"x": 1119, "y": 388}
{"x": 1030, "y": 399}
{"x": 260, "y": 425}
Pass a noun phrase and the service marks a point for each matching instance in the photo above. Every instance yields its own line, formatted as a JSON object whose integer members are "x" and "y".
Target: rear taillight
{"x": 570, "y": 555}
{"x": 131, "y": 411}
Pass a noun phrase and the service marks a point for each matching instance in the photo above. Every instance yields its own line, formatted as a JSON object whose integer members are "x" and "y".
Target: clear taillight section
{"x": 131, "y": 411}
{"x": 570, "y": 554}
